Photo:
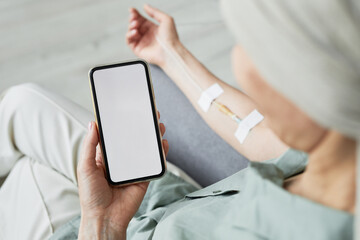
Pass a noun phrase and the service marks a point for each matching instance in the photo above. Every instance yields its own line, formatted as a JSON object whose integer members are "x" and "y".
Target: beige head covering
{"x": 310, "y": 52}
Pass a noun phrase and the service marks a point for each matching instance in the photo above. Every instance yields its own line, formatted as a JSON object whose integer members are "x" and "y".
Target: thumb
{"x": 87, "y": 162}
{"x": 156, "y": 14}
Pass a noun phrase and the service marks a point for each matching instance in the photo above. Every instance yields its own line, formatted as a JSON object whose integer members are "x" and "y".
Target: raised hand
{"x": 143, "y": 35}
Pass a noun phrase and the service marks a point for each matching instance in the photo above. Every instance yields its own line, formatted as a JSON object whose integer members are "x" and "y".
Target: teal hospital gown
{"x": 250, "y": 204}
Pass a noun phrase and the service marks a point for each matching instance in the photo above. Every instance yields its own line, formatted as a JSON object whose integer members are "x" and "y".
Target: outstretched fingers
{"x": 157, "y": 14}
{"x": 133, "y": 34}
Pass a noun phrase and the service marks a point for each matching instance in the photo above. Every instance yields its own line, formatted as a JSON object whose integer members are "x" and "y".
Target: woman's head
{"x": 307, "y": 76}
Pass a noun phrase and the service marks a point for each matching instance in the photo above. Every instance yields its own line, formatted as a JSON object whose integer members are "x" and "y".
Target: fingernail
{"x": 90, "y": 125}
{"x": 133, "y": 23}
{"x": 133, "y": 32}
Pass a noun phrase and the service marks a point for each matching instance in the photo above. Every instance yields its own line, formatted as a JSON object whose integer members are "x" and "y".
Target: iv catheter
{"x": 244, "y": 125}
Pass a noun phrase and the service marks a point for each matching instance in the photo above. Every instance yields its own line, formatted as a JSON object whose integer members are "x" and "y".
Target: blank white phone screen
{"x": 127, "y": 122}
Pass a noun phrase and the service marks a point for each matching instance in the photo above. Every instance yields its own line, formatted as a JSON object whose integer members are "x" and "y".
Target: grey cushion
{"x": 194, "y": 147}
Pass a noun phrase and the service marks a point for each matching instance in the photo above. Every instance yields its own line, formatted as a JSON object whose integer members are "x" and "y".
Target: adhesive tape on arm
{"x": 207, "y": 96}
{"x": 247, "y": 124}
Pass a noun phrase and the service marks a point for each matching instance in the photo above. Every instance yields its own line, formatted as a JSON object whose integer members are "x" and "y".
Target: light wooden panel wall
{"x": 55, "y": 43}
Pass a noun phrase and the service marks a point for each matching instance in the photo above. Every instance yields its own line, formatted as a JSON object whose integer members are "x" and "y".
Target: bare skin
{"x": 141, "y": 38}
{"x": 329, "y": 178}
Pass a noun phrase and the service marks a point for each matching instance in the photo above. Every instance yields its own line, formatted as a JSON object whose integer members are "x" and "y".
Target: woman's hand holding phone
{"x": 106, "y": 210}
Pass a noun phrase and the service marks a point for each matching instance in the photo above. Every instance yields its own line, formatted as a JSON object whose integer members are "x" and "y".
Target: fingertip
{"x": 132, "y": 38}
{"x": 131, "y": 17}
{"x": 133, "y": 14}
{"x": 133, "y": 32}
{"x": 92, "y": 136}
{"x": 88, "y": 155}
{"x": 166, "y": 146}
{"x": 133, "y": 24}
{"x": 92, "y": 126}
{"x": 133, "y": 11}
{"x": 155, "y": 13}
{"x": 148, "y": 9}
{"x": 162, "y": 128}
{"x": 146, "y": 5}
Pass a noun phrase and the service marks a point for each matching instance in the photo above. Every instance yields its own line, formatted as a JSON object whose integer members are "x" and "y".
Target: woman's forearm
{"x": 183, "y": 68}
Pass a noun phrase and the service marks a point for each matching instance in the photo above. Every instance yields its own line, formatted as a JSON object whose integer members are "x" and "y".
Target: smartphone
{"x": 126, "y": 117}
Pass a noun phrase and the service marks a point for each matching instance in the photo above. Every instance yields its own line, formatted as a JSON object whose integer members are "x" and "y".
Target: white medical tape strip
{"x": 250, "y": 121}
{"x": 207, "y": 96}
